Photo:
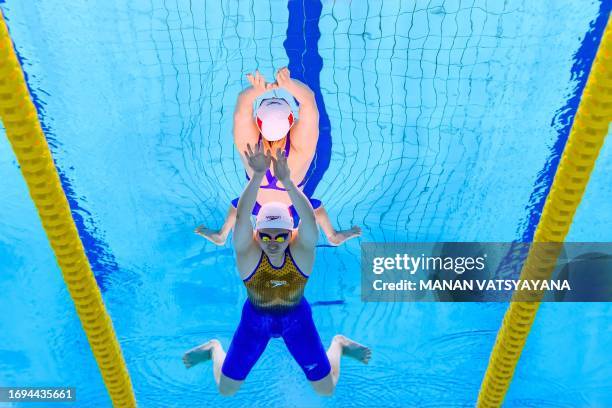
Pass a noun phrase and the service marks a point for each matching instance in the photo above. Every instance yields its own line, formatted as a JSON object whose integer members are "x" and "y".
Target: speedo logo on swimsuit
{"x": 276, "y": 283}
{"x": 272, "y": 217}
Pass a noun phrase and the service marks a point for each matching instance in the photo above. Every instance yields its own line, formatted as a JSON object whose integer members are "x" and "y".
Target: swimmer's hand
{"x": 258, "y": 82}
{"x": 258, "y": 161}
{"x": 283, "y": 77}
{"x": 299, "y": 90}
{"x": 281, "y": 168}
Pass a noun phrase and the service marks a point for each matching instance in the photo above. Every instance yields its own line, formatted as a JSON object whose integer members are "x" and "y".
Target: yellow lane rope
{"x": 23, "y": 130}
{"x": 586, "y": 137}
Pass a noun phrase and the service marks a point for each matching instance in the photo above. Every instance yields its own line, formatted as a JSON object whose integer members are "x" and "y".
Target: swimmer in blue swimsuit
{"x": 275, "y": 263}
{"x": 273, "y": 125}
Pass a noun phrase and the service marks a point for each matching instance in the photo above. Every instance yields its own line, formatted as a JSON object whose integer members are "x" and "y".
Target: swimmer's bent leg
{"x": 249, "y": 342}
{"x": 226, "y": 386}
{"x": 334, "y": 236}
{"x": 304, "y": 344}
{"x": 218, "y": 237}
{"x": 212, "y": 350}
{"x": 327, "y": 384}
{"x": 340, "y": 346}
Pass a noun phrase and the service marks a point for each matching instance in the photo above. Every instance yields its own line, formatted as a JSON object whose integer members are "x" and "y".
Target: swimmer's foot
{"x": 213, "y": 236}
{"x": 353, "y": 349}
{"x": 201, "y": 353}
{"x": 340, "y": 236}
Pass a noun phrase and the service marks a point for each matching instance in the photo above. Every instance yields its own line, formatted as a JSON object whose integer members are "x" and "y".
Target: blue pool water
{"x": 440, "y": 121}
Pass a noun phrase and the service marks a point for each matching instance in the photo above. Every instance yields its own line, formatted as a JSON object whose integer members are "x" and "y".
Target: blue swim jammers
{"x": 295, "y": 326}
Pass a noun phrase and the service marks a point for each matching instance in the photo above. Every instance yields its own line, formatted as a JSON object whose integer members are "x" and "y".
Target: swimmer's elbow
{"x": 309, "y": 93}
{"x": 308, "y": 99}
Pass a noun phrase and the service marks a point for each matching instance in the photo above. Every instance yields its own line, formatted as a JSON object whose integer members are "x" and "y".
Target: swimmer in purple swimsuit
{"x": 274, "y": 125}
{"x": 275, "y": 262}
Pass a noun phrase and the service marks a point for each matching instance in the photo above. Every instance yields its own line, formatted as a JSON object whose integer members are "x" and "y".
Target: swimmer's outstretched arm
{"x": 243, "y": 230}
{"x": 305, "y": 133}
{"x": 245, "y": 129}
{"x": 308, "y": 233}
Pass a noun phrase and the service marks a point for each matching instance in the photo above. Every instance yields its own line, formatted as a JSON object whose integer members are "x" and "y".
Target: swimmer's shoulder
{"x": 247, "y": 260}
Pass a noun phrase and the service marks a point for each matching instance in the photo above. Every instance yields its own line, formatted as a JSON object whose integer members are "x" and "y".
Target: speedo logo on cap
{"x": 272, "y": 217}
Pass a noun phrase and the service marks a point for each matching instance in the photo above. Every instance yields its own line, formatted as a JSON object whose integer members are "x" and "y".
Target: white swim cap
{"x": 274, "y": 118}
{"x": 274, "y": 215}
